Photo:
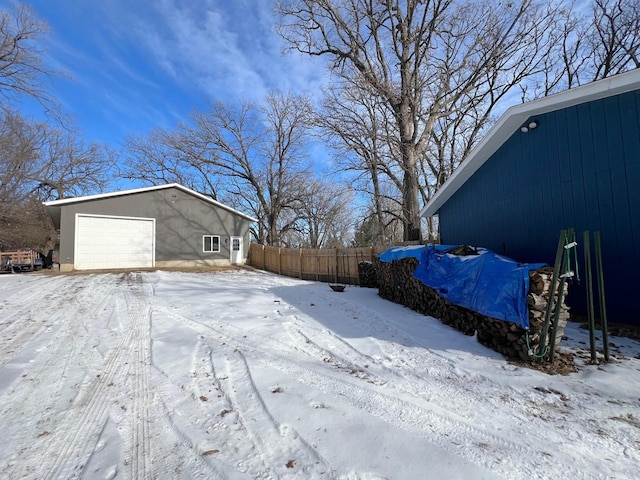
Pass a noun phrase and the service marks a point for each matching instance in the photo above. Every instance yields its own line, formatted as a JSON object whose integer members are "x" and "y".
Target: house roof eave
{"x": 515, "y": 116}
{"x": 68, "y": 201}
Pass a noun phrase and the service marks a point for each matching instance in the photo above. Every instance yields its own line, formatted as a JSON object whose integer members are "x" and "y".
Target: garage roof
{"x": 516, "y": 116}
{"x": 55, "y": 212}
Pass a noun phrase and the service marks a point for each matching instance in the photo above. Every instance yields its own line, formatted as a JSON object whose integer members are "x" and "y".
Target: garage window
{"x": 210, "y": 243}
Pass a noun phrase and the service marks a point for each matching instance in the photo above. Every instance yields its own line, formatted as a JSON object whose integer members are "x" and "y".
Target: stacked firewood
{"x": 397, "y": 283}
{"x": 512, "y": 340}
{"x": 367, "y": 275}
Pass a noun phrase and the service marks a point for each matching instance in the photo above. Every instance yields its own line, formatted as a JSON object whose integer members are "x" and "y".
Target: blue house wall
{"x": 579, "y": 168}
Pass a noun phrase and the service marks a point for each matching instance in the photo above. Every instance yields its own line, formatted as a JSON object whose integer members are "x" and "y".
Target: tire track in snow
{"x": 182, "y": 460}
{"x": 140, "y": 312}
{"x": 421, "y": 377}
{"x": 406, "y": 363}
{"x": 18, "y": 289}
{"x": 185, "y": 415}
{"x": 25, "y": 316}
{"x": 434, "y": 423}
{"x": 273, "y": 441}
{"x": 412, "y": 367}
{"x": 65, "y": 342}
{"x": 207, "y": 384}
{"x": 176, "y": 454}
{"x": 68, "y": 449}
{"x": 244, "y": 432}
{"x": 329, "y": 348}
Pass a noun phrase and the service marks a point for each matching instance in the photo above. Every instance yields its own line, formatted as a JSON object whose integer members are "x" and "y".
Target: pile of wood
{"x": 367, "y": 275}
{"x": 397, "y": 283}
{"x": 512, "y": 340}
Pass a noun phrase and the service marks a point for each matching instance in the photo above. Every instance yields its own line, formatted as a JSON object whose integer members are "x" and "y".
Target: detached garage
{"x": 161, "y": 226}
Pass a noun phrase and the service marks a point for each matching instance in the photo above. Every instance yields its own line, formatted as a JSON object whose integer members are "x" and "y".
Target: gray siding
{"x": 181, "y": 221}
{"x": 579, "y": 168}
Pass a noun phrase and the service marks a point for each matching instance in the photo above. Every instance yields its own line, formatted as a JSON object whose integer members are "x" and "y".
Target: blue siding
{"x": 579, "y": 168}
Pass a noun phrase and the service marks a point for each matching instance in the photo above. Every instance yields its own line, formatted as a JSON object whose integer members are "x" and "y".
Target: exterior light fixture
{"x": 529, "y": 126}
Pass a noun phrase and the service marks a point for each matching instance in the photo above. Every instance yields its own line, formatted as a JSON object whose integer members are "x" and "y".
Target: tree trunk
{"x": 410, "y": 194}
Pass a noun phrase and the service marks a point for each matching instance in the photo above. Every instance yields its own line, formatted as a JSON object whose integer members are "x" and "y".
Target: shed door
{"x": 104, "y": 242}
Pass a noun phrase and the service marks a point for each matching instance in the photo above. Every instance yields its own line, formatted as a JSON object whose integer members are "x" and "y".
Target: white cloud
{"x": 229, "y": 51}
{"x": 139, "y": 64}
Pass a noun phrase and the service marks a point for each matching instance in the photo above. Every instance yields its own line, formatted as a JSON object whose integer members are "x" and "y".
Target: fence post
{"x": 300, "y": 260}
{"x": 353, "y": 280}
{"x": 263, "y": 259}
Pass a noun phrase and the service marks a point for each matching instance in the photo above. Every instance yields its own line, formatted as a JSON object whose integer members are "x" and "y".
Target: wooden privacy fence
{"x": 338, "y": 265}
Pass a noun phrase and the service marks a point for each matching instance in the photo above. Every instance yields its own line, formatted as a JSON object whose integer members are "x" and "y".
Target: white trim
{"x": 211, "y": 237}
{"x": 514, "y": 118}
{"x": 236, "y": 256}
{"x": 65, "y": 201}
{"x": 146, "y": 219}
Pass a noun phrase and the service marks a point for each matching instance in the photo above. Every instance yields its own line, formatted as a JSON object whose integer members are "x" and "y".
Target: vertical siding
{"x": 181, "y": 221}
{"x": 579, "y": 168}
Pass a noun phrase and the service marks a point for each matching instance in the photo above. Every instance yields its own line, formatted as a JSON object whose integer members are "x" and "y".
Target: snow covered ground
{"x": 248, "y": 375}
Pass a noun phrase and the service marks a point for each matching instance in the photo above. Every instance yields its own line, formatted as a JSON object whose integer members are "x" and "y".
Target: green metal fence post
{"x": 552, "y": 292}
{"x": 569, "y": 243}
{"x": 603, "y": 306}
{"x": 589, "y": 286}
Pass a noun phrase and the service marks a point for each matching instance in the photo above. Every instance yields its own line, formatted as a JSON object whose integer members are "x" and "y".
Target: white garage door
{"x": 114, "y": 242}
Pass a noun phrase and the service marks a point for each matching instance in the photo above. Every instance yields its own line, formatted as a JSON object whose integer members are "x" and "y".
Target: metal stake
{"x": 552, "y": 292}
{"x": 590, "y": 309}
{"x": 603, "y": 307}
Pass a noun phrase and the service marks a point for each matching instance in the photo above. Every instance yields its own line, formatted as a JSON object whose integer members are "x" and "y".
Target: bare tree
{"x": 21, "y": 217}
{"x": 358, "y": 126}
{"x": 153, "y": 161}
{"x": 40, "y": 162}
{"x": 615, "y": 38}
{"x": 593, "y": 44}
{"x": 20, "y": 146}
{"x": 388, "y": 220}
{"x": 422, "y": 58}
{"x": 324, "y": 213}
{"x": 26, "y": 225}
{"x": 44, "y": 162}
{"x": 255, "y": 154}
{"x": 22, "y": 68}
{"x": 71, "y": 167}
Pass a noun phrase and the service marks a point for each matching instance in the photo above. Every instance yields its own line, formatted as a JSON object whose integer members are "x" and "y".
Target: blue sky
{"x": 133, "y": 65}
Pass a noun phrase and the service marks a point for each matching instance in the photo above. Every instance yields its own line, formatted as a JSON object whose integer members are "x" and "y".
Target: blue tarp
{"x": 397, "y": 253}
{"x": 486, "y": 283}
